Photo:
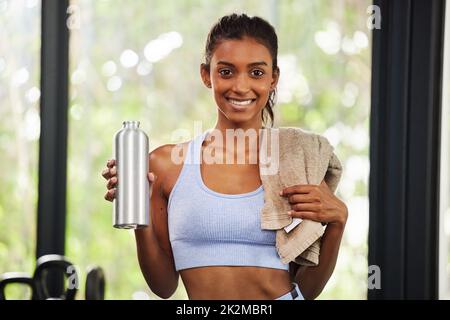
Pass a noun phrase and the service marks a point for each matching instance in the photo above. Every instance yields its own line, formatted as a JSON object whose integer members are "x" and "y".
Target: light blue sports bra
{"x": 208, "y": 228}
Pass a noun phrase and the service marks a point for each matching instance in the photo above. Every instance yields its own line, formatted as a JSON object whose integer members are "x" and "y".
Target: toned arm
{"x": 153, "y": 244}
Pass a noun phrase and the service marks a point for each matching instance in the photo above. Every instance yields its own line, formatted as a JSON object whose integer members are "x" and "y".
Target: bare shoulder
{"x": 166, "y": 156}
{"x": 166, "y": 162}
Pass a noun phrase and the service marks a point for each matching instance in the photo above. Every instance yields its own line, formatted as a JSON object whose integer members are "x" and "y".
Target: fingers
{"x": 110, "y": 195}
{"x": 308, "y": 215}
{"x": 111, "y": 163}
{"x": 108, "y": 173}
{"x": 111, "y": 183}
{"x": 105, "y": 173}
{"x": 299, "y": 198}
{"x": 110, "y": 170}
{"x": 297, "y": 189}
{"x": 307, "y": 207}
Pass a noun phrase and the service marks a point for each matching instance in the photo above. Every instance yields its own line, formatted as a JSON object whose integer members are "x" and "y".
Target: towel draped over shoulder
{"x": 292, "y": 156}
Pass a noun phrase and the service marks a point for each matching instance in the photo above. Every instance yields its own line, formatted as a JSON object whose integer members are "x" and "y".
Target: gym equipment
{"x": 46, "y": 265}
{"x": 16, "y": 277}
{"x": 95, "y": 284}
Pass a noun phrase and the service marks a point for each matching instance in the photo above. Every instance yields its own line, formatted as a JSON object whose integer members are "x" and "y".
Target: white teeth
{"x": 240, "y": 103}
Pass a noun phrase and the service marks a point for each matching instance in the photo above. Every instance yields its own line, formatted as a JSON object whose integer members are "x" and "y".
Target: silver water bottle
{"x": 132, "y": 202}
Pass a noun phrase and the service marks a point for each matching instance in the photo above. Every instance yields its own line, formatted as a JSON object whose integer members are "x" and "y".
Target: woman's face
{"x": 241, "y": 78}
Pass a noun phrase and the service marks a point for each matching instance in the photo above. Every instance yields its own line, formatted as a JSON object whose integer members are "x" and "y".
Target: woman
{"x": 206, "y": 216}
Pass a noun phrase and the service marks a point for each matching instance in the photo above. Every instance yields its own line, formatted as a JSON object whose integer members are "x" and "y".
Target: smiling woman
{"x": 206, "y": 224}
{"x": 151, "y": 72}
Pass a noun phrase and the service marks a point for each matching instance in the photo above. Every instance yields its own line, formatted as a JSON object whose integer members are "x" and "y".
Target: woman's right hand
{"x": 110, "y": 174}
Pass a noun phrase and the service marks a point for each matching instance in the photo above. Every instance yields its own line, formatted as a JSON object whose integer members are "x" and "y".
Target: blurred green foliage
{"x": 19, "y": 136}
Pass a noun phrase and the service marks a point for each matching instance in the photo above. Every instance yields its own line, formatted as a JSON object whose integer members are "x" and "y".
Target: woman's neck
{"x": 235, "y": 142}
{"x": 250, "y": 126}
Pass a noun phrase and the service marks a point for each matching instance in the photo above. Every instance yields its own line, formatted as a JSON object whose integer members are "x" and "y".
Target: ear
{"x": 205, "y": 74}
{"x": 275, "y": 77}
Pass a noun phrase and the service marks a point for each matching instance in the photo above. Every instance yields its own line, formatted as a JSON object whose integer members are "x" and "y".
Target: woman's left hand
{"x": 317, "y": 203}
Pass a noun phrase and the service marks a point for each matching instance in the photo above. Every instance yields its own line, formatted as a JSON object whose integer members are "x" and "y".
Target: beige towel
{"x": 291, "y": 156}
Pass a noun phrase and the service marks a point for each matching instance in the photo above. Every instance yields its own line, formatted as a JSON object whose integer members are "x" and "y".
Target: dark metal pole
{"x": 51, "y": 218}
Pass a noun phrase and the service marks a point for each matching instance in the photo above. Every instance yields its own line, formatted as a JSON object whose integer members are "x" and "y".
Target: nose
{"x": 241, "y": 84}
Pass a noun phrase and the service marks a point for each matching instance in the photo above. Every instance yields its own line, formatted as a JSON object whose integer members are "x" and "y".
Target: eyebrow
{"x": 259, "y": 63}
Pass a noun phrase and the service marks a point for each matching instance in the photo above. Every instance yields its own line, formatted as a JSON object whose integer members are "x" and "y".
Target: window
{"x": 19, "y": 133}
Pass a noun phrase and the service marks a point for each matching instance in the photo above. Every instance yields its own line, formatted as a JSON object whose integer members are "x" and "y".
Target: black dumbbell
{"x": 16, "y": 277}
{"x": 53, "y": 262}
{"x": 95, "y": 284}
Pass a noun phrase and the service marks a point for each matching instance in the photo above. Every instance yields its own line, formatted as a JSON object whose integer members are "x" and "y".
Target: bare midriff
{"x": 235, "y": 282}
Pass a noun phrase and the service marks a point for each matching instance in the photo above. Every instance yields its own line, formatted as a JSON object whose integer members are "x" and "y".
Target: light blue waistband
{"x": 294, "y": 294}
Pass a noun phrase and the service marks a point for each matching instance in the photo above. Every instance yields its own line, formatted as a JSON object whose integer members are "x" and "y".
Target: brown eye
{"x": 225, "y": 72}
{"x": 257, "y": 73}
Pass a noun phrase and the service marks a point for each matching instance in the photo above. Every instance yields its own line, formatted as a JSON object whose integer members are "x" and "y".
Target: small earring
{"x": 208, "y": 85}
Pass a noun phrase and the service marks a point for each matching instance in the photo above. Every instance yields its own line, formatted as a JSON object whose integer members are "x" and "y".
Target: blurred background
{"x": 140, "y": 60}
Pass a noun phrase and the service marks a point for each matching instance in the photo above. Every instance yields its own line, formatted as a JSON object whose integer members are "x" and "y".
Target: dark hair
{"x": 236, "y": 26}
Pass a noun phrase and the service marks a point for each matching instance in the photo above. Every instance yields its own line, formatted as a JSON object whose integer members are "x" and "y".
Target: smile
{"x": 240, "y": 102}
